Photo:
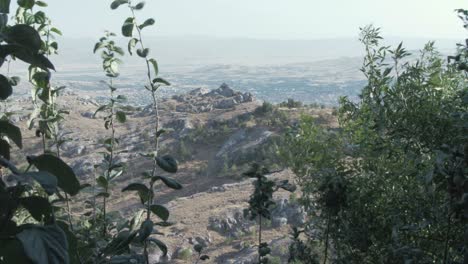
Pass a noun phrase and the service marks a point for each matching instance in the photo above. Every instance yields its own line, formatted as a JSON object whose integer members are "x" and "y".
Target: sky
{"x": 266, "y": 19}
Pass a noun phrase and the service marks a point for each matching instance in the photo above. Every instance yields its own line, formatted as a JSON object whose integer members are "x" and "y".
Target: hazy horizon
{"x": 266, "y": 19}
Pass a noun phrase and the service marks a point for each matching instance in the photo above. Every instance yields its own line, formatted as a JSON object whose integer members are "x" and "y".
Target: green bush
{"x": 185, "y": 254}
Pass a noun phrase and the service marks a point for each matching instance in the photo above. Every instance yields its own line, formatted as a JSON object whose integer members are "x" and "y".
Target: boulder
{"x": 232, "y": 224}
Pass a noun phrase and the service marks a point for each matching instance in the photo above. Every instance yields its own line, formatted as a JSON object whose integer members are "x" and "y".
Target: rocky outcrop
{"x": 200, "y": 100}
{"x": 232, "y": 224}
{"x": 287, "y": 212}
{"x": 240, "y": 148}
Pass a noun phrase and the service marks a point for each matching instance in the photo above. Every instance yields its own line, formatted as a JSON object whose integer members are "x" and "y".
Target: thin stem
{"x": 326, "y": 239}
{"x": 447, "y": 235}
{"x": 153, "y": 90}
{"x": 259, "y": 238}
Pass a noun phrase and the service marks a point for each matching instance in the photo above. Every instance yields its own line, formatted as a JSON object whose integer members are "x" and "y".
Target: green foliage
{"x": 291, "y": 103}
{"x": 261, "y": 203}
{"x": 389, "y": 183}
{"x": 41, "y": 197}
{"x": 265, "y": 108}
{"x": 185, "y": 254}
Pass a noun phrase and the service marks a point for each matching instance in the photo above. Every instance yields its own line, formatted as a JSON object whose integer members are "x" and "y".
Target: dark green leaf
{"x": 102, "y": 182}
{"x": 167, "y": 163}
{"x": 115, "y": 4}
{"x": 26, "y": 4}
{"x": 148, "y": 22}
{"x": 12, "y": 251}
{"x": 40, "y": 17}
{"x": 140, "y": 6}
{"x": 24, "y": 36}
{"x": 160, "y": 211}
{"x": 45, "y": 179}
{"x": 171, "y": 183}
{"x": 5, "y": 88}
{"x": 103, "y": 194}
{"x": 131, "y": 45}
{"x": 67, "y": 180}
{"x": 160, "y": 245}
{"x": 4, "y": 6}
{"x": 142, "y": 190}
{"x": 120, "y": 243}
{"x": 4, "y": 149}
{"x": 161, "y": 80}
{"x": 41, "y": 4}
{"x": 142, "y": 53}
{"x": 7, "y": 164}
{"x": 39, "y": 207}
{"x": 72, "y": 242}
{"x": 121, "y": 116}
{"x": 47, "y": 244}
{"x": 145, "y": 231}
{"x": 12, "y": 132}
{"x": 155, "y": 66}
{"x": 127, "y": 28}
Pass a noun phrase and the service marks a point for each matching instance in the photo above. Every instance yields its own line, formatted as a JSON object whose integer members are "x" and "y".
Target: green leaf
{"x": 39, "y": 207}
{"x": 97, "y": 46}
{"x": 148, "y": 22}
{"x": 4, "y": 149}
{"x": 67, "y": 180}
{"x": 160, "y": 245}
{"x": 56, "y": 31}
{"x": 4, "y": 6}
{"x": 120, "y": 243}
{"x": 117, "y": 3}
{"x": 7, "y": 164}
{"x": 103, "y": 194}
{"x": 12, "y": 251}
{"x": 41, "y": 4}
{"x": 101, "y": 108}
{"x": 35, "y": 59}
{"x": 26, "y": 4}
{"x": 131, "y": 45}
{"x": 155, "y": 66}
{"x": 167, "y": 163}
{"x": 160, "y": 211}
{"x": 47, "y": 181}
{"x": 72, "y": 242}
{"x": 46, "y": 244}
{"x": 5, "y": 88}
{"x": 145, "y": 231}
{"x": 12, "y": 132}
{"x": 24, "y": 36}
{"x": 140, "y": 6}
{"x": 171, "y": 183}
{"x": 142, "y": 190}
{"x": 161, "y": 80}
{"x": 40, "y": 17}
{"x": 143, "y": 53}
{"x": 102, "y": 182}
{"x": 127, "y": 28}
{"x": 121, "y": 116}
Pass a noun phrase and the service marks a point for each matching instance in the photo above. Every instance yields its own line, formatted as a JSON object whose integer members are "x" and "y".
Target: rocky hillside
{"x": 215, "y": 135}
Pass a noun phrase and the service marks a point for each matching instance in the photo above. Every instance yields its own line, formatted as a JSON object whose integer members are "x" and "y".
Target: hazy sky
{"x": 278, "y": 19}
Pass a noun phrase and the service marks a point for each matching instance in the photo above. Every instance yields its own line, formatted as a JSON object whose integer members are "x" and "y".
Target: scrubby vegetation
{"x": 390, "y": 185}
